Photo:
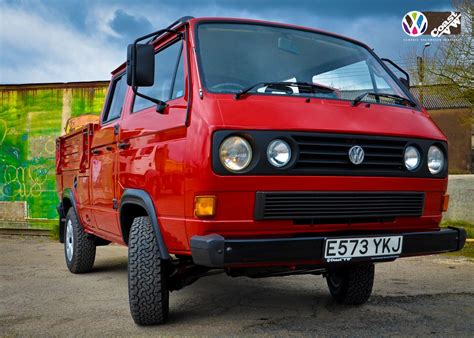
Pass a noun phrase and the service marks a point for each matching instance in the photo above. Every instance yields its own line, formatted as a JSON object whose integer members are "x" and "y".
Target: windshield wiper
{"x": 395, "y": 97}
{"x": 312, "y": 86}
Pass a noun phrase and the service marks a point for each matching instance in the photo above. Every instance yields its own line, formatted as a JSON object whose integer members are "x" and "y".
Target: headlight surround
{"x": 235, "y": 153}
{"x": 435, "y": 160}
{"x": 412, "y": 158}
{"x": 279, "y": 153}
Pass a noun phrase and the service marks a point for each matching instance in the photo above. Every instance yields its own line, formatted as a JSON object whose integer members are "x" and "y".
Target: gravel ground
{"x": 415, "y": 296}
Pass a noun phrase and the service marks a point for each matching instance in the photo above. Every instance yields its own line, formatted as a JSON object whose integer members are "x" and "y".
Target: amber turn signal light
{"x": 205, "y": 206}
{"x": 445, "y": 202}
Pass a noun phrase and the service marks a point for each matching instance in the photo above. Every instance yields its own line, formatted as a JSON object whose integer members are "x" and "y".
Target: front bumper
{"x": 216, "y": 251}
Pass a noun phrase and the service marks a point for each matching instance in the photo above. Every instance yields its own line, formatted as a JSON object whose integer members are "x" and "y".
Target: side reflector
{"x": 205, "y": 206}
{"x": 445, "y": 202}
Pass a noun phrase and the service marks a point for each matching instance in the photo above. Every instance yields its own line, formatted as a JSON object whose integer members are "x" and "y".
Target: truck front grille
{"x": 327, "y": 206}
{"x": 330, "y": 153}
{"x": 327, "y": 154}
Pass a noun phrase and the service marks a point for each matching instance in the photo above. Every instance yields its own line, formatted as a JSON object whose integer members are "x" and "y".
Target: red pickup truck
{"x": 256, "y": 149}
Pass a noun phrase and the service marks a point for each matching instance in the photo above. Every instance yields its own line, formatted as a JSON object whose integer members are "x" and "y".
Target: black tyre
{"x": 351, "y": 285}
{"x": 147, "y": 281}
{"x": 79, "y": 249}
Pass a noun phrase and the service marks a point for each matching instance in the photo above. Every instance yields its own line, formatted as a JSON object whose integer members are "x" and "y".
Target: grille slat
{"x": 383, "y": 155}
{"x": 322, "y": 152}
{"x": 324, "y": 161}
{"x": 336, "y": 205}
{"x": 329, "y": 205}
{"x": 370, "y": 162}
{"x": 335, "y": 195}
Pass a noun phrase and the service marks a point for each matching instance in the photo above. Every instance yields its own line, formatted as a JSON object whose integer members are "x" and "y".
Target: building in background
{"x": 32, "y": 116}
{"x": 453, "y": 114}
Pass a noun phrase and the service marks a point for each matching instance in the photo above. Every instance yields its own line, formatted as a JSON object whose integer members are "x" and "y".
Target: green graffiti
{"x": 30, "y": 122}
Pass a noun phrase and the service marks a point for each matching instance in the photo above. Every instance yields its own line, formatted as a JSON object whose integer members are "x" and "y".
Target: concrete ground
{"x": 416, "y": 296}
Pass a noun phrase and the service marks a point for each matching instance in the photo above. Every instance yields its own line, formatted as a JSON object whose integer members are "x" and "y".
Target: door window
{"x": 169, "y": 77}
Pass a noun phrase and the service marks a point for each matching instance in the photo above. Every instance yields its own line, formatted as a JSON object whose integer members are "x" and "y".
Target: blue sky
{"x": 84, "y": 40}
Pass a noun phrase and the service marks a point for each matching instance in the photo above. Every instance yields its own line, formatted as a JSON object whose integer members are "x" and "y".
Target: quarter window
{"x": 117, "y": 94}
{"x": 178, "y": 87}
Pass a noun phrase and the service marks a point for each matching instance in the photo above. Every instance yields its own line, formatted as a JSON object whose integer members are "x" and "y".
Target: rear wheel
{"x": 79, "y": 248}
{"x": 147, "y": 281}
{"x": 351, "y": 285}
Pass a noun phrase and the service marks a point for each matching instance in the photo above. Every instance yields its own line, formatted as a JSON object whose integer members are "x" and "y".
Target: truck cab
{"x": 254, "y": 149}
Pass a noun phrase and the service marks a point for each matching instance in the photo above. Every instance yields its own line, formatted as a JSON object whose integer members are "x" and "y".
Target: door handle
{"x": 123, "y": 145}
{"x": 95, "y": 151}
{"x": 109, "y": 148}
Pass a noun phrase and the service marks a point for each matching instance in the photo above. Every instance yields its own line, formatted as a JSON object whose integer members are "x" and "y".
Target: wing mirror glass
{"x": 140, "y": 65}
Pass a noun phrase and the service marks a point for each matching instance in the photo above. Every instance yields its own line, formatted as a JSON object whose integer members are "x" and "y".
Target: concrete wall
{"x": 31, "y": 118}
{"x": 461, "y": 198}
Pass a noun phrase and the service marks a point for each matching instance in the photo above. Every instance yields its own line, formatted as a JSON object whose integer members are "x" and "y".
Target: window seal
{"x": 180, "y": 54}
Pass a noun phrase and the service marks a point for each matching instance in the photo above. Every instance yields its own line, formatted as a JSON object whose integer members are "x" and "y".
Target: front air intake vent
{"x": 337, "y": 205}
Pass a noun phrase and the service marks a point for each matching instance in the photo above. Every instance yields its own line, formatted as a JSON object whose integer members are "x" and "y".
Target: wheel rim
{"x": 69, "y": 240}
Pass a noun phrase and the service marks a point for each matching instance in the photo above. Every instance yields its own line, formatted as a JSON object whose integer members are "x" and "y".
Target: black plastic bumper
{"x": 216, "y": 251}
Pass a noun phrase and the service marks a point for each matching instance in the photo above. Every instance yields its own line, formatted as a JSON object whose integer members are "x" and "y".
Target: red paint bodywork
{"x": 172, "y": 162}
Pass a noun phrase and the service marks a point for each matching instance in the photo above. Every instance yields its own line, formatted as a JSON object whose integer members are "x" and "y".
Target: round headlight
{"x": 235, "y": 153}
{"x": 435, "y": 160}
{"x": 412, "y": 158}
{"x": 278, "y": 153}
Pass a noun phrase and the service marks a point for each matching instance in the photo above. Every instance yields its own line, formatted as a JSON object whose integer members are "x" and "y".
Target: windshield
{"x": 235, "y": 57}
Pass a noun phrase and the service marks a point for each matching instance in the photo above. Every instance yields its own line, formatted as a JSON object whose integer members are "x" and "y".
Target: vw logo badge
{"x": 356, "y": 154}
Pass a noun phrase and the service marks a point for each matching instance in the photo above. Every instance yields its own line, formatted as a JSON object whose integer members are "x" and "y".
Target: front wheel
{"x": 351, "y": 285}
{"x": 147, "y": 280}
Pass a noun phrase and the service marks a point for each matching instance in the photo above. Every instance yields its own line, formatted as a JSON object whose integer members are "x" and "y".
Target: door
{"x": 153, "y": 160}
{"x": 104, "y": 158}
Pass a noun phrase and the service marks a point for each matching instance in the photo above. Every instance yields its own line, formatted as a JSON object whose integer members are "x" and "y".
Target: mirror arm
{"x": 160, "y": 105}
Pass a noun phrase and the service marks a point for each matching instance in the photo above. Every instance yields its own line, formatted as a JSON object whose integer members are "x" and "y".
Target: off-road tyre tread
{"x": 147, "y": 283}
{"x": 83, "y": 256}
{"x": 356, "y": 286}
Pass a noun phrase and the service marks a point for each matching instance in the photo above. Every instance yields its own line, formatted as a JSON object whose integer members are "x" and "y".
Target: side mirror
{"x": 140, "y": 65}
{"x": 404, "y": 82}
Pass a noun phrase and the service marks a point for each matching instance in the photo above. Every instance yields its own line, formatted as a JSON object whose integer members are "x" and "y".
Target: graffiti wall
{"x": 31, "y": 117}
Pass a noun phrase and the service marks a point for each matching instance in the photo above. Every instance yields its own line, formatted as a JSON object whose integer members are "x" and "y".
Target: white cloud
{"x": 49, "y": 51}
{"x": 38, "y": 47}
{"x": 99, "y": 17}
